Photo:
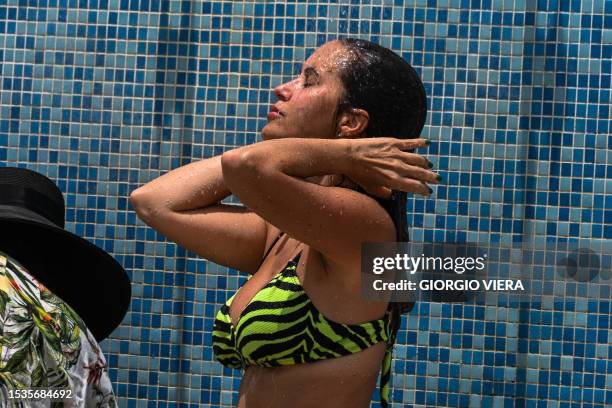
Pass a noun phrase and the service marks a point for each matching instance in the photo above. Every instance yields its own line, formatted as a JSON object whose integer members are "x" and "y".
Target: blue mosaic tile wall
{"x": 105, "y": 95}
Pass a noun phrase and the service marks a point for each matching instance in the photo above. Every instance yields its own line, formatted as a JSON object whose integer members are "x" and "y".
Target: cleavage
{"x": 259, "y": 280}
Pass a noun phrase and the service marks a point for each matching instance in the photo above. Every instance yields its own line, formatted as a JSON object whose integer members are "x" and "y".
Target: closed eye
{"x": 311, "y": 77}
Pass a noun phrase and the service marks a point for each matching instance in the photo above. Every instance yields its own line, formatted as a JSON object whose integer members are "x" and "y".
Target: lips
{"x": 275, "y": 113}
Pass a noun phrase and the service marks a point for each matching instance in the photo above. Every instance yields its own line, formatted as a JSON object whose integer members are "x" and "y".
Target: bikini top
{"x": 280, "y": 326}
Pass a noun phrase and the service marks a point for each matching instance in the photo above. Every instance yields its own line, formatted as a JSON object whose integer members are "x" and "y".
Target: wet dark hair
{"x": 383, "y": 84}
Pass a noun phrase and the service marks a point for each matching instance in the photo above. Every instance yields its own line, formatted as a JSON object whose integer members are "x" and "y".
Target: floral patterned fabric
{"x": 45, "y": 345}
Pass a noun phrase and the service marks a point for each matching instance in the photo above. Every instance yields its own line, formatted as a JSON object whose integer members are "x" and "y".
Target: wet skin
{"x": 339, "y": 382}
{"x": 185, "y": 206}
{"x": 307, "y": 103}
{"x": 306, "y": 108}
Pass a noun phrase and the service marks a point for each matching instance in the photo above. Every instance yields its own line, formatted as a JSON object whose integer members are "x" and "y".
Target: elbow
{"x": 142, "y": 204}
{"x": 137, "y": 198}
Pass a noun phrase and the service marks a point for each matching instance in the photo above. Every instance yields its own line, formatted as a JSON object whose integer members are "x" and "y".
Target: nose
{"x": 283, "y": 91}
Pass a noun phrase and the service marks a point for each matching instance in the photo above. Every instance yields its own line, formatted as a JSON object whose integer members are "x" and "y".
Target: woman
{"x": 326, "y": 178}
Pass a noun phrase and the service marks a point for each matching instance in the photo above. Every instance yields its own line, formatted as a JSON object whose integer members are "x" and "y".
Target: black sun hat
{"x": 32, "y": 231}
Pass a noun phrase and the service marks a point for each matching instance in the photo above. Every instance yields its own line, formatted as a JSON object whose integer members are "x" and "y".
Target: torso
{"x": 345, "y": 381}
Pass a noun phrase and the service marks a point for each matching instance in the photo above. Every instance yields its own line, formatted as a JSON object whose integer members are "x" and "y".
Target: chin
{"x": 269, "y": 134}
{"x": 265, "y": 135}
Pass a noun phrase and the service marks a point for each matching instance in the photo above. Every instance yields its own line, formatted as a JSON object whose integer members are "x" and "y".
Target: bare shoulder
{"x": 332, "y": 279}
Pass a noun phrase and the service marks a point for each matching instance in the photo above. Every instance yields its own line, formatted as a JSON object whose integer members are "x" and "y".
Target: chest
{"x": 287, "y": 268}
{"x": 337, "y": 297}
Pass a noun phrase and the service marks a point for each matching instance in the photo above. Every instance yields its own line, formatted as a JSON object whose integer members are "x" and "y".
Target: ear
{"x": 352, "y": 123}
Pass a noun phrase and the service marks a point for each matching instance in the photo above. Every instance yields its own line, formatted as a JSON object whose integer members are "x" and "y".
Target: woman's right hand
{"x": 382, "y": 164}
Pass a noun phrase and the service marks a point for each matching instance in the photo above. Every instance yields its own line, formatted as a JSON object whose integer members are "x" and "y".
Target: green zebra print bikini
{"x": 281, "y": 326}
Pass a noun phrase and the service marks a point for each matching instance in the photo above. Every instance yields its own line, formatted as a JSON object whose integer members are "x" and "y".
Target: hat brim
{"x": 88, "y": 279}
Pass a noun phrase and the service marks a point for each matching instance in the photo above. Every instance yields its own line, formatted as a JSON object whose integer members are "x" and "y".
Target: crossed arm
{"x": 270, "y": 180}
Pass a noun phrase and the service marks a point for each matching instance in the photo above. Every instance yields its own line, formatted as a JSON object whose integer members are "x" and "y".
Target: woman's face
{"x": 306, "y": 106}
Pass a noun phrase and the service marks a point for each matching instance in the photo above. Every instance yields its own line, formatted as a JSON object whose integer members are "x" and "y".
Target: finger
{"x": 400, "y": 159}
{"x": 403, "y": 160}
{"x": 429, "y": 190}
{"x": 410, "y": 144}
{"x": 420, "y": 174}
{"x": 416, "y": 160}
{"x": 412, "y": 186}
{"x": 379, "y": 191}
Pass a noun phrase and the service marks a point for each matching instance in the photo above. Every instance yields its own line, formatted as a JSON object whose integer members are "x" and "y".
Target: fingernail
{"x": 438, "y": 178}
{"x": 427, "y": 142}
{"x": 429, "y": 164}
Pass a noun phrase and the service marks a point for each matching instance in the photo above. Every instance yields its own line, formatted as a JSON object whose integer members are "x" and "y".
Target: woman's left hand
{"x": 382, "y": 164}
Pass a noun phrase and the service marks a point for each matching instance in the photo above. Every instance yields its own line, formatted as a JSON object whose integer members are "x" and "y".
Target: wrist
{"x": 345, "y": 156}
